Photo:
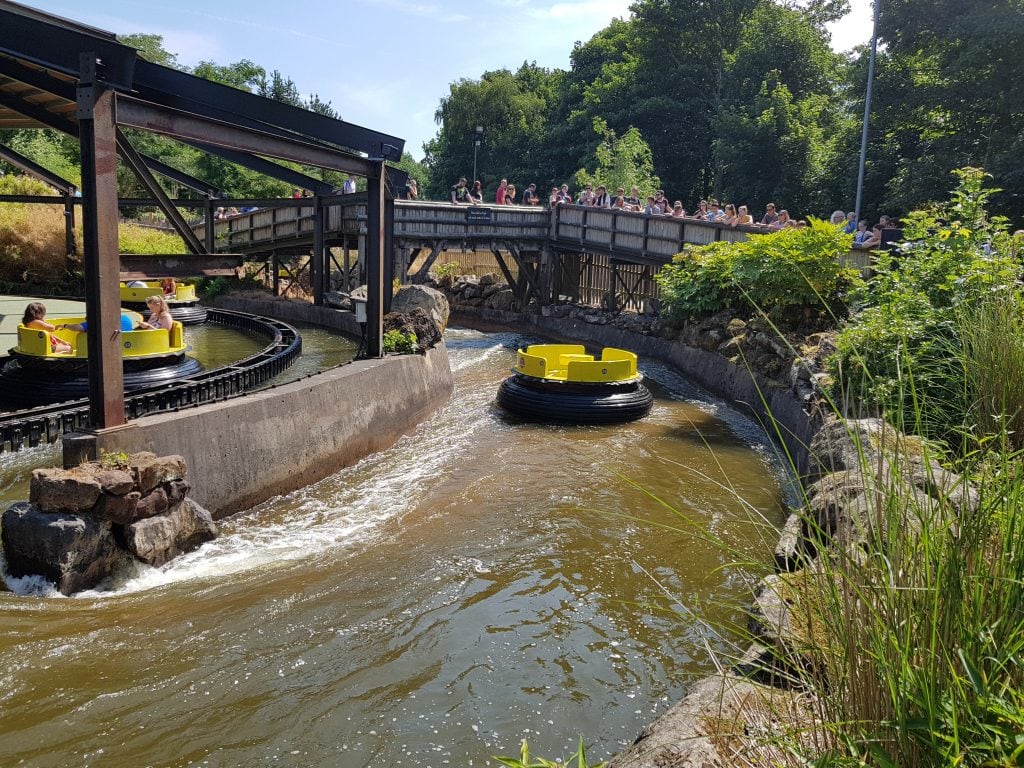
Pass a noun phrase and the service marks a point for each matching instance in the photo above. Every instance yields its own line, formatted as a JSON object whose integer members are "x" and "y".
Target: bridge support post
{"x": 98, "y": 142}
{"x": 209, "y": 236}
{"x": 318, "y": 262}
{"x": 69, "y": 225}
{"x": 375, "y": 259}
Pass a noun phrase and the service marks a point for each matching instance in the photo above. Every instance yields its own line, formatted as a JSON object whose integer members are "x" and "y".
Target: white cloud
{"x": 588, "y": 10}
{"x": 422, "y": 10}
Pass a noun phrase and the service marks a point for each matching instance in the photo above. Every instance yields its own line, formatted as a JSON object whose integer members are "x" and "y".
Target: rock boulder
{"x": 72, "y": 551}
{"x": 157, "y": 540}
{"x": 430, "y": 300}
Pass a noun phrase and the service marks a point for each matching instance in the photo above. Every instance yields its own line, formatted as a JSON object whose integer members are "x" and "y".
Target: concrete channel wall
{"x": 244, "y": 451}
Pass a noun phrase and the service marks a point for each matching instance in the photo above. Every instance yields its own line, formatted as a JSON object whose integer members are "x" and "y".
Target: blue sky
{"x": 384, "y": 64}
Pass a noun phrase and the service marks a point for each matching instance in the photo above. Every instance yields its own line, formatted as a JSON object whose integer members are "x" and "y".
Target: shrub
{"x": 396, "y": 342}
{"x": 903, "y": 349}
{"x": 785, "y": 274}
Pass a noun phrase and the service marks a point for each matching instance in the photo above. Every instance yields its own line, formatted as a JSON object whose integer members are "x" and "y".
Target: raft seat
{"x": 570, "y": 362}
{"x": 139, "y": 294}
{"x": 36, "y": 342}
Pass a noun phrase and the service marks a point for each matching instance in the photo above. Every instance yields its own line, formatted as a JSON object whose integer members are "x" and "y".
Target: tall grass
{"x": 32, "y": 236}
{"x": 32, "y": 239}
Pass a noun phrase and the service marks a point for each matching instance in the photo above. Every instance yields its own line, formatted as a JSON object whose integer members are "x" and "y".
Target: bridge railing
{"x": 422, "y": 221}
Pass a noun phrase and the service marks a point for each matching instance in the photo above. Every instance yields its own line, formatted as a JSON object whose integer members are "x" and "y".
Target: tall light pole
{"x": 476, "y": 146}
{"x": 867, "y": 112}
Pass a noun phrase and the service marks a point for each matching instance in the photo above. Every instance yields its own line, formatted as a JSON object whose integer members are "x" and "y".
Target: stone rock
{"x": 652, "y": 307}
{"x": 64, "y": 490}
{"x": 491, "y": 278}
{"x": 556, "y": 310}
{"x": 724, "y": 721}
{"x": 73, "y": 552}
{"x": 504, "y": 300}
{"x": 791, "y": 549}
{"x": 432, "y": 301}
{"x": 157, "y": 540}
{"x": 790, "y": 616}
{"x": 417, "y": 322}
{"x": 117, "y": 509}
{"x": 490, "y": 290}
{"x": 115, "y": 481}
{"x": 149, "y": 470}
{"x": 153, "y": 503}
{"x": 176, "y": 491}
{"x": 360, "y": 292}
{"x": 338, "y": 300}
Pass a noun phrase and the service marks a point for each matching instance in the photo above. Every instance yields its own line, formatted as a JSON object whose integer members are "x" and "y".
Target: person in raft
{"x": 127, "y": 324}
{"x": 159, "y": 315}
{"x": 35, "y": 317}
{"x": 167, "y": 286}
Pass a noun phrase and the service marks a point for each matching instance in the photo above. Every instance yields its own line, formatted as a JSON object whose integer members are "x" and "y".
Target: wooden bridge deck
{"x": 591, "y": 251}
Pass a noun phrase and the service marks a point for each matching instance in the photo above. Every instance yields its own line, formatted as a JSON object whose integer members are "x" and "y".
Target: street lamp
{"x": 476, "y": 146}
{"x": 867, "y": 113}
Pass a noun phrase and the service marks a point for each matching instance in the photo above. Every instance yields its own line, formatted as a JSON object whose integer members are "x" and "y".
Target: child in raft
{"x": 159, "y": 315}
{"x": 35, "y": 317}
{"x": 168, "y": 287}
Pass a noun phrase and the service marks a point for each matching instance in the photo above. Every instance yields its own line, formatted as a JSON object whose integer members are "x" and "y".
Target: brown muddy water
{"x": 481, "y": 582}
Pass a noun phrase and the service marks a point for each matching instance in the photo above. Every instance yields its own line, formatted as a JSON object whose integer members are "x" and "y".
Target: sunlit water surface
{"x": 481, "y": 582}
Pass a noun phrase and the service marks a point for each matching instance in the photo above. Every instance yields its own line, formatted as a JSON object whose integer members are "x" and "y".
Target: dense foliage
{"x": 744, "y": 100}
{"x": 908, "y": 340}
{"x": 786, "y": 274}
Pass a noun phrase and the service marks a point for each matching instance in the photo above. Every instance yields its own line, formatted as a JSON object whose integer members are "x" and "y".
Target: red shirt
{"x": 499, "y": 196}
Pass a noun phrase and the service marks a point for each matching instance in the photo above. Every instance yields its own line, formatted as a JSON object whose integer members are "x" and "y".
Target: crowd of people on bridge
{"x": 730, "y": 215}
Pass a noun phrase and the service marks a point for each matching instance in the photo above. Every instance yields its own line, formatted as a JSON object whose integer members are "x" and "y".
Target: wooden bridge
{"x": 569, "y": 253}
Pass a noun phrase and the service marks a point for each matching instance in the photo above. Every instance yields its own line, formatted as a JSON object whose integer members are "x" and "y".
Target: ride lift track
{"x": 46, "y": 423}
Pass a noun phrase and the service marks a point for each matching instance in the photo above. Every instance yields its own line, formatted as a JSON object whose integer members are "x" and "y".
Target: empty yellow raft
{"x": 563, "y": 383}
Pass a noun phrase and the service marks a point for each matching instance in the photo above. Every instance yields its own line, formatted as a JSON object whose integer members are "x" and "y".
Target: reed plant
{"x": 908, "y": 637}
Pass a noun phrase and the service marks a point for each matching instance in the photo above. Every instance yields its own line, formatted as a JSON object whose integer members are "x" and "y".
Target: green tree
{"x": 621, "y": 161}
{"x": 513, "y": 109}
{"x": 151, "y": 48}
{"x": 244, "y": 74}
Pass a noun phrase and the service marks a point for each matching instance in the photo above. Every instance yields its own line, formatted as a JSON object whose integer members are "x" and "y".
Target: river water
{"x": 481, "y": 582}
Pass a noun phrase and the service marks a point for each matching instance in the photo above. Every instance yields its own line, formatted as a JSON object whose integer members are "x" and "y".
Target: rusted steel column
{"x": 375, "y": 257}
{"x": 209, "y": 236}
{"x": 98, "y": 140}
{"x": 389, "y": 251}
{"x": 70, "y": 247}
{"x": 317, "y": 265}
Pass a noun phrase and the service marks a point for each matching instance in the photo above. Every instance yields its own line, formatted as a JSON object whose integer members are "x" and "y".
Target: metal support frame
{"x": 319, "y": 256}
{"x": 137, "y": 164}
{"x": 187, "y": 126}
{"x": 265, "y": 167}
{"x": 375, "y": 251}
{"x": 98, "y": 140}
{"x": 70, "y": 245}
{"x": 389, "y": 250}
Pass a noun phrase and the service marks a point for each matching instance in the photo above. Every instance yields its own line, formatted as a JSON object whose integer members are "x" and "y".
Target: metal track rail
{"x": 46, "y": 423}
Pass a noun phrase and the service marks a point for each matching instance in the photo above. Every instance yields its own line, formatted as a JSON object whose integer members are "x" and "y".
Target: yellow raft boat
{"x": 563, "y": 383}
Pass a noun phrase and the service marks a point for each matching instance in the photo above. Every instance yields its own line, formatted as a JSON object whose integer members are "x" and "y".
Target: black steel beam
{"x": 170, "y": 122}
{"x": 180, "y": 177}
{"x": 138, "y": 166}
{"x": 98, "y": 141}
{"x": 265, "y": 167}
{"x": 152, "y": 80}
{"x": 34, "y": 169}
{"x": 56, "y": 44}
